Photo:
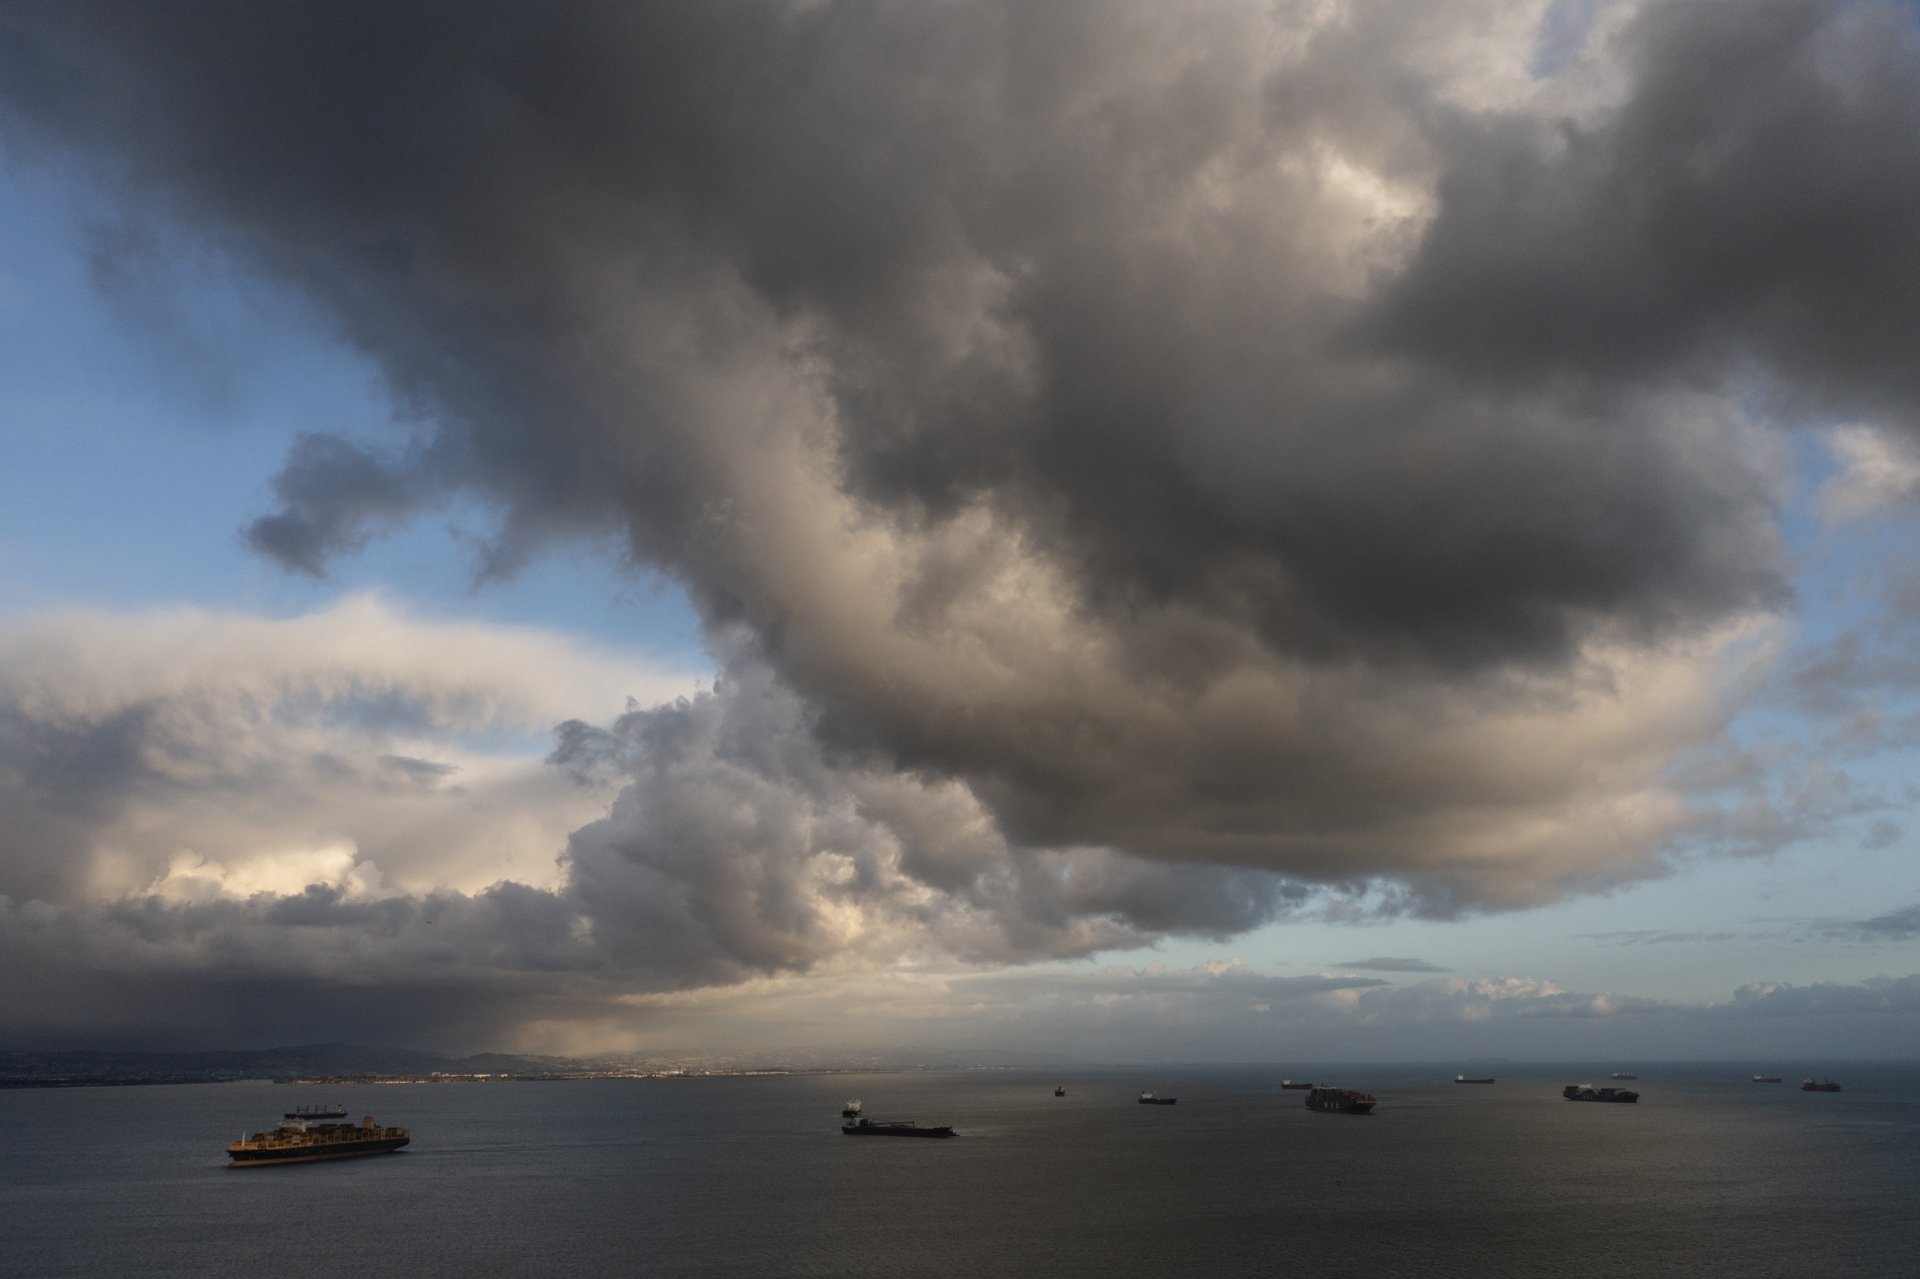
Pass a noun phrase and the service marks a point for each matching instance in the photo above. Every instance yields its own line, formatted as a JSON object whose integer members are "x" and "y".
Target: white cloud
{"x": 1878, "y": 471}
{"x": 191, "y": 753}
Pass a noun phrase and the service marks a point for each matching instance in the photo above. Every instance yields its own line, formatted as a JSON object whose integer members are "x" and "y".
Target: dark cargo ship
{"x": 1824, "y": 1085}
{"x": 1295, "y": 1085}
{"x": 1467, "y": 1079}
{"x": 300, "y": 1140}
{"x": 1148, "y": 1099}
{"x": 891, "y": 1128}
{"x": 1340, "y": 1101}
{"x": 1587, "y": 1092}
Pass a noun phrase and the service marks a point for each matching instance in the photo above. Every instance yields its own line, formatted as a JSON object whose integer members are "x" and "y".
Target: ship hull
{"x": 314, "y": 1154}
{"x": 897, "y": 1132}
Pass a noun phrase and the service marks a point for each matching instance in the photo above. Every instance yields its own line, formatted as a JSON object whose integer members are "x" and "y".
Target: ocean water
{"x": 1709, "y": 1175}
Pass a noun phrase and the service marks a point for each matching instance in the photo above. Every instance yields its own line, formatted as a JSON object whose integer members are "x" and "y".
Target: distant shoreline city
{"x": 338, "y": 1065}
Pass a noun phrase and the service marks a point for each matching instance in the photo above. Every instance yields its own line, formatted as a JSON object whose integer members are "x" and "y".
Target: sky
{"x": 1235, "y": 532}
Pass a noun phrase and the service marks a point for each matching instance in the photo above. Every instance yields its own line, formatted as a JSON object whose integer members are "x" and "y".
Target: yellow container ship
{"x": 302, "y": 1138}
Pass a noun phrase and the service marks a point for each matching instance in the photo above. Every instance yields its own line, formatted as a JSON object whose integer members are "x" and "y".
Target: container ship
{"x": 1587, "y": 1092}
{"x": 1473, "y": 1079}
{"x": 1295, "y": 1085}
{"x": 1340, "y": 1101}
{"x": 1823, "y": 1085}
{"x": 1149, "y": 1099}
{"x": 1766, "y": 1079}
{"x": 891, "y": 1128}
{"x": 301, "y": 1139}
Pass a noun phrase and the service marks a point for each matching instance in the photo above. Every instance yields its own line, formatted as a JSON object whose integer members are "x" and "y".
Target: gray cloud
{"x": 1748, "y": 196}
{"x": 1392, "y": 964}
{"x": 1659, "y": 937}
{"x": 1136, "y": 466}
{"x": 334, "y": 497}
{"x": 739, "y": 846}
{"x": 1897, "y": 925}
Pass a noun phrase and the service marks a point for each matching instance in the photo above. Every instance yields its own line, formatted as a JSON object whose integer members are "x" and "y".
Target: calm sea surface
{"x": 1708, "y": 1175}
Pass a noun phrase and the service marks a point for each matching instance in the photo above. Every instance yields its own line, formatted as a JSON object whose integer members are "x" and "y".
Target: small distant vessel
{"x": 1059, "y": 1092}
{"x": 1587, "y": 1092}
{"x": 300, "y": 1140}
{"x": 317, "y": 1112}
{"x": 1148, "y": 1099}
{"x": 1340, "y": 1101}
{"x": 1823, "y": 1085}
{"x": 852, "y": 1111}
{"x": 1467, "y": 1079}
{"x": 891, "y": 1128}
{"x": 1295, "y": 1085}
{"x": 1766, "y": 1079}
{"x": 1621, "y": 1074}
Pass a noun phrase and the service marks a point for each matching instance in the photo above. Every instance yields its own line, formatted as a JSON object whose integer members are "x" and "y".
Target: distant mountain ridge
{"x": 307, "y": 1061}
{"x": 47, "y": 1069}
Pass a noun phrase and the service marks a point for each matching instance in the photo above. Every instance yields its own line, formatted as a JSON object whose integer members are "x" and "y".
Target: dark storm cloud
{"x": 446, "y": 968}
{"x": 1285, "y": 446}
{"x": 1752, "y": 196}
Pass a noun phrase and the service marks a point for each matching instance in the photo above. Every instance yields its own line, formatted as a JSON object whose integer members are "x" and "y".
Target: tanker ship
{"x": 891, "y": 1128}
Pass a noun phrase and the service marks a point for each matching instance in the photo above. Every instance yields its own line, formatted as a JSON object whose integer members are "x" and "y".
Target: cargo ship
{"x": 1340, "y": 1101}
{"x": 302, "y": 1140}
{"x": 1766, "y": 1079}
{"x": 1471, "y": 1079}
{"x": 891, "y": 1128}
{"x": 1824, "y": 1085}
{"x": 1148, "y": 1099}
{"x": 1295, "y": 1085}
{"x": 1587, "y": 1092}
{"x": 1621, "y": 1074}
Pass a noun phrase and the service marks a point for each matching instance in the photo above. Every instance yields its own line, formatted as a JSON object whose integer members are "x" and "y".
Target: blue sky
{"x": 149, "y": 405}
{"x": 157, "y": 368}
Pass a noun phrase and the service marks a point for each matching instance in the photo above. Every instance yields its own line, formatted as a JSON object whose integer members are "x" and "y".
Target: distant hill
{"x": 56, "y": 1069}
